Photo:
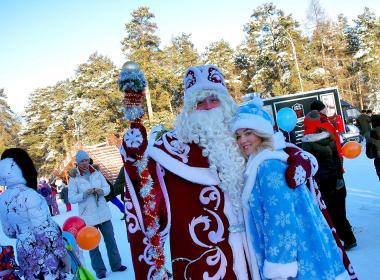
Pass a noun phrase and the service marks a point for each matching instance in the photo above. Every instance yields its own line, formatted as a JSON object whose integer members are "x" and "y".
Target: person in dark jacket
{"x": 373, "y": 144}
{"x": 319, "y": 142}
{"x": 45, "y": 190}
{"x": 364, "y": 124}
{"x": 65, "y": 196}
{"x": 320, "y": 107}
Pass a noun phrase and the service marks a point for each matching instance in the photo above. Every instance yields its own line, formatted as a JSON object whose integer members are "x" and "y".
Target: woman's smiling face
{"x": 247, "y": 140}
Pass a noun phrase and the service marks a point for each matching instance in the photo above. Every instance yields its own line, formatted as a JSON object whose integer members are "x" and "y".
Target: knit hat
{"x": 317, "y": 105}
{"x": 81, "y": 155}
{"x": 251, "y": 115}
{"x": 203, "y": 77}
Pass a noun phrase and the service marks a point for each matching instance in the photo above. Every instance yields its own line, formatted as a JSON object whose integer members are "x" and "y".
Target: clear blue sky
{"x": 43, "y": 42}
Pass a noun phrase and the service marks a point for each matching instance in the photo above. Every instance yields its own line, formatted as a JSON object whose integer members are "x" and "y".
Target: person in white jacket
{"x": 88, "y": 189}
{"x": 25, "y": 216}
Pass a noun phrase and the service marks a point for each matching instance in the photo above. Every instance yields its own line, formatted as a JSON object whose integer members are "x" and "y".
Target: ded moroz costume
{"x": 187, "y": 183}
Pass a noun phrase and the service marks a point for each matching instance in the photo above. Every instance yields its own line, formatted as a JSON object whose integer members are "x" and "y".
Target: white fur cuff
{"x": 281, "y": 270}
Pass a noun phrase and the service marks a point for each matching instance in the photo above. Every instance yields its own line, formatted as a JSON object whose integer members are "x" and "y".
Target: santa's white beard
{"x": 210, "y": 129}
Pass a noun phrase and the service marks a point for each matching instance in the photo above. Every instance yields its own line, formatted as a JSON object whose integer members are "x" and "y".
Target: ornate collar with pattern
{"x": 184, "y": 160}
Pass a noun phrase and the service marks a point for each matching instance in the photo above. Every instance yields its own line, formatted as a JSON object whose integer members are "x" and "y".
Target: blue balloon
{"x": 286, "y": 119}
{"x": 70, "y": 240}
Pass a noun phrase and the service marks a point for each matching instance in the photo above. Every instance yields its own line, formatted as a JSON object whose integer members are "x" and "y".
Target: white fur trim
{"x": 160, "y": 176}
{"x": 250, "y": 174}
{"x": 252, "y": 167}
{"x": 343, "y": 276}
{"x": 280, "y": 270}
{"x": 314, "y": 137}
{"x": 252, "y": 121}
{"x": 198, "y": 175}
{"x": 238, "y": 244}
{"x": 279, "y": 141}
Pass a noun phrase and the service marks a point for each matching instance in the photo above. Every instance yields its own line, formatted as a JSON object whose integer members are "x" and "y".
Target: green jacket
{"x": 119, "y": 185}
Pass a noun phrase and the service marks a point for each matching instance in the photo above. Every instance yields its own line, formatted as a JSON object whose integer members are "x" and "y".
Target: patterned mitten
{"x": 299, "y": 167}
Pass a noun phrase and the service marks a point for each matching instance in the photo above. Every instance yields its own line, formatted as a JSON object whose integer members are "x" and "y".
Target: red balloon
{"x": 88, "y": 238}
{"x": 73, "y": 225}
{"x": 351, "y": 149}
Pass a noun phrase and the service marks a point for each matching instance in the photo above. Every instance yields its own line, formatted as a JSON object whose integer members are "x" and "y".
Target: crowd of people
{"x": 236, "y": 199}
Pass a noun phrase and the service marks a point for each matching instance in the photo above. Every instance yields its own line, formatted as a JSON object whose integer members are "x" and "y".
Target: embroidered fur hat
{"x": 251, "y": 115}
{"x": 203, "y": 77}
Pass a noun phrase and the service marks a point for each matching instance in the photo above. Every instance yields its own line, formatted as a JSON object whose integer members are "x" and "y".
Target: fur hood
{"x": 315, "y": 137}
{"x": 10, "y": 173}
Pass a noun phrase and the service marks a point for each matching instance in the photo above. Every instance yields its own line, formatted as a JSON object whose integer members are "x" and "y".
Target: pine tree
{"x": 95, "y": 100}
{"x": 328, "y": 51}
{"x": 37, "y": 119}
{"x": 221, "y": 54}
{"x": 86, "y": 108}
{"x": 9, "y": 125}
{"x": 366, "y": 62}
{"x": 141, "y": 45}
{"x": 141, "y": 40}
{"x": 178, "y": 56}
{"x": 273, "y": 49}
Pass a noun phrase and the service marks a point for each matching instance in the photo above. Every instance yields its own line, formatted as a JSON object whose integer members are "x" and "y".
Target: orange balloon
{"x": 88, "y": 238}
{"x": 351, "y": 149}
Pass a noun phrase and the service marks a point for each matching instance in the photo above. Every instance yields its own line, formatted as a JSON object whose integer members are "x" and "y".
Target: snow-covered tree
{"x": 177, "y": 57}
{"x": 366, "y": 63}
{"x": 221, "y": 54}
{"x": 274, "y": 49}
{"x": 85, "y": 108}
{"x": 9, "y": 125}
{"x": 95, "y": 100}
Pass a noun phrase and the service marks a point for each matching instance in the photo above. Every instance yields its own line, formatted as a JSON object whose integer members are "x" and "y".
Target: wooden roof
{"x": 106, "y": 155}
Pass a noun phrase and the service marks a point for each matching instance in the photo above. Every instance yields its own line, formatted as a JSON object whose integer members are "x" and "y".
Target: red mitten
{"x": 299, "y": 167}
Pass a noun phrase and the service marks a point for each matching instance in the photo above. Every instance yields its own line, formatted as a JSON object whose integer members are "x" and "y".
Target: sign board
{"x": 301, "y": 102}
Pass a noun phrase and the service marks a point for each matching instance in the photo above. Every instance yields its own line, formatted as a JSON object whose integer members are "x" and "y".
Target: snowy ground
{"x": 363, "y": 207}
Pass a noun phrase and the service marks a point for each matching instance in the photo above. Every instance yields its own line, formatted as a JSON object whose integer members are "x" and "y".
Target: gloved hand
{"x": 73, "y": 172}
{"x": 88, "y": 193}
{"x": 339, "y": 184}
{"x": 299, "y": 167}
{"x": 99, "y": 191}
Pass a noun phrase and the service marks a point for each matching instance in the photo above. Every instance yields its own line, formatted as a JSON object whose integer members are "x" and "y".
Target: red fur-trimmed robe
{"x": 192, "y": 208}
